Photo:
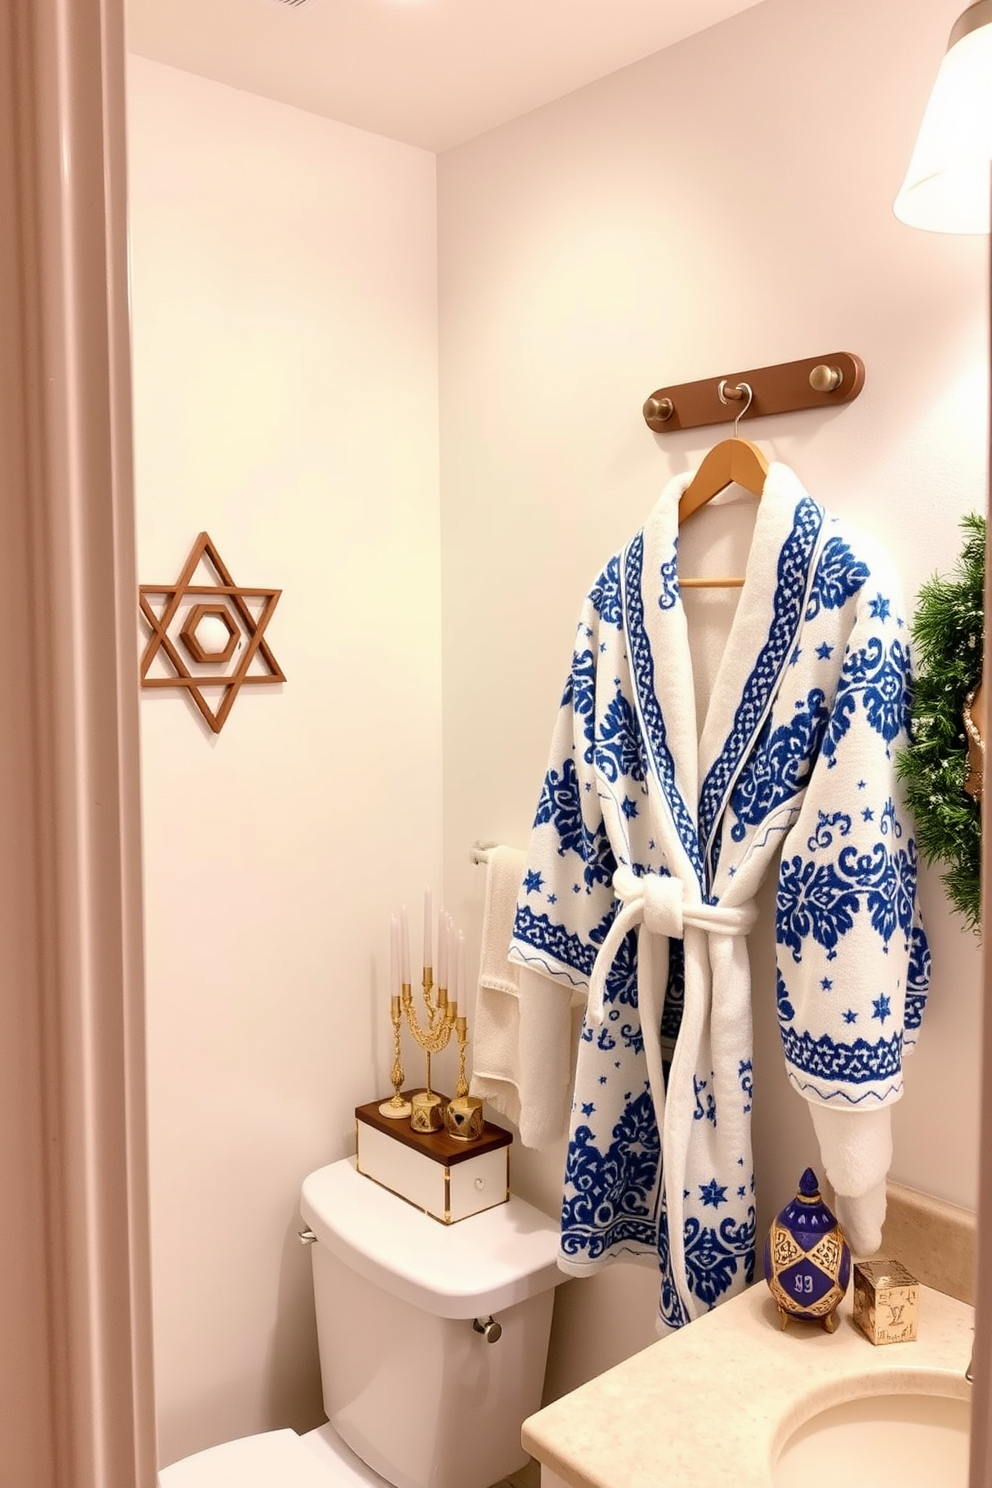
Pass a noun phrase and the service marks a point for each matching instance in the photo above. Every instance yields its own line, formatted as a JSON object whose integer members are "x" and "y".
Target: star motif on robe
{"x": 576, "y": 888}
{"x": 867, "y": 814}
{"x": 850, "y": 1016}
{"x": 879, "y": 607}
{"x": 533, "y": 882}
{"x": 881, "y": 1008}
{"x": 827, "y": 984}
{"x": 588, "y": 1108}
{"x": 862, "y": 784}
{"x": 793, "y": 659}
{"x": 824, "y": 652}
{"x": 713, "y": 1194}
{"x": 223, "y": 601}
{"x": 629, "y": 807}
{"x": 742, "y": 1193}
{"x": 552, "y": 898}
{"x": 602, "y": 1079}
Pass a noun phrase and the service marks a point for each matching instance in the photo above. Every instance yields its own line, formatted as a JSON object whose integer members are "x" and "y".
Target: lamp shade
{"x": 947, "y": 185}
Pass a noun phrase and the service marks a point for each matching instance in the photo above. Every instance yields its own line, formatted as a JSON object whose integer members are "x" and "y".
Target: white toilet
{"x": 433, "y": 1342}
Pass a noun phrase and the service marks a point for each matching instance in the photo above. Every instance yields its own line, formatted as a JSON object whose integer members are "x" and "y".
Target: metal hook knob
{"x": 657, "y": 411}
{"x": 742, "y": 390}
{"x": 824, "y": 379}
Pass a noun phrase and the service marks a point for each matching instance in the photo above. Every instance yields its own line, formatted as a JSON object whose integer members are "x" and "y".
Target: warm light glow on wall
{"x": 947, "y": 186}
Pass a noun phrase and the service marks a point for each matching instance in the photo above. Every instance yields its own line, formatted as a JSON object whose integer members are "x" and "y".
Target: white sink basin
{"x": 814, "y": 1409}
{"x": 880, "y": 1441}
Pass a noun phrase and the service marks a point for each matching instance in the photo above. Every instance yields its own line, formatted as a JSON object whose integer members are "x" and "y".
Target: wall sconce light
{"x": 947, "y": 184}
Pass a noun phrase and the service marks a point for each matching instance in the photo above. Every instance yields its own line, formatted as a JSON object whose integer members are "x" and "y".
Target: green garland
{"x": 948, "y": 631}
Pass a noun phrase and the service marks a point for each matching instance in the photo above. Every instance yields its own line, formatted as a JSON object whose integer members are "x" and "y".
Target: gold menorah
{"x": 442, "y": 1015}
{"x": 441, "y": 1018}
{"x": 427, "y": 1111}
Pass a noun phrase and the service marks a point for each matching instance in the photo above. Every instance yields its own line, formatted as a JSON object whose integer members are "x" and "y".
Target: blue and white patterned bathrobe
{"x": 648, "y": 847}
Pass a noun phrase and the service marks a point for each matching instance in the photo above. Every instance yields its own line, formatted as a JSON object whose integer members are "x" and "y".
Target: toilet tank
{"x": 408, "y": 1382}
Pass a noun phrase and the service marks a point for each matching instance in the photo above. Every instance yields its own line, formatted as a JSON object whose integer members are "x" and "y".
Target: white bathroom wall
{"x": 285, "y": 380}
{"x": 723, "y": 204}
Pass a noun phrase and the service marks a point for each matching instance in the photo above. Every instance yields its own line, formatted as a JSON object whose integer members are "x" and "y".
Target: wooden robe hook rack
{"x": 814, "y": 382}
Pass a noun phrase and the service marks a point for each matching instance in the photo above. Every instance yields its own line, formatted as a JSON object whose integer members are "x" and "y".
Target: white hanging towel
{"x": 524, "y": 1043}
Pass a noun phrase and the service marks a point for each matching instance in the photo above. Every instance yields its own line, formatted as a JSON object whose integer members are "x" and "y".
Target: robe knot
{"x": 657, "y": 901}
{"x": 662, "y": 904}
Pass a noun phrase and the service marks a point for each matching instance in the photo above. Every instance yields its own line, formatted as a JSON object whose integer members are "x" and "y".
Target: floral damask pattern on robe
{"x": 839, "y": 577}
{"x": 612, "y": 1197}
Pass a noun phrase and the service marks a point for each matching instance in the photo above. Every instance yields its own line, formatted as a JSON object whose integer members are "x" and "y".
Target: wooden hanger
{"x": 731, "y": 462}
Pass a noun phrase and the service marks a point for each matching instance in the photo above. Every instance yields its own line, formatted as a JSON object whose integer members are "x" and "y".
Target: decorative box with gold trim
{"x": 447, "y": 1178}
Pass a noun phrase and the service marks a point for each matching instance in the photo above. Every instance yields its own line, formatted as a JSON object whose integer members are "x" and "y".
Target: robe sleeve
{"x": 856, "y": 1151}
{"x": 566, "y": 902}
{"x": 852, "y": 955}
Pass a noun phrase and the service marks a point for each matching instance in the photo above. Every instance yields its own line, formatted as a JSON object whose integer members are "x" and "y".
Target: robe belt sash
{"x": 715, "y": 947}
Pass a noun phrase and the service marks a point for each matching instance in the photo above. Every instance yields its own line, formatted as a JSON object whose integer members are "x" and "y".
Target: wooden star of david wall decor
{"x": 208, "y": 636}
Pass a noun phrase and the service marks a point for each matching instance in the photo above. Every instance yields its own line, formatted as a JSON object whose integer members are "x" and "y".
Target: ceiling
{"x": 432, "y": 73}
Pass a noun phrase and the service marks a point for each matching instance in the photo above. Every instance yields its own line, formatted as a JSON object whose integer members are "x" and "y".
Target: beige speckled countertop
{"x": 726, "y": 1393}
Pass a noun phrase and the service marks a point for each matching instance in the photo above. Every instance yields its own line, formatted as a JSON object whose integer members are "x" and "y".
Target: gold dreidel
{"x": 886, "y": 1301}
{"x": 463, "y": 1116}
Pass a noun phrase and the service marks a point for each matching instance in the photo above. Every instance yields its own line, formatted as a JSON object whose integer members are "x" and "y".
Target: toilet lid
{"x": 274, "y": 1459}
{"x": 485, "y": 1263}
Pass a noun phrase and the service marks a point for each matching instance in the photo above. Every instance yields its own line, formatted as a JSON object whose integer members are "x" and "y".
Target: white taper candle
{"x": 404, "y": 946}
{"x": 428, "y": 927}
{"x": 460, "y": 970}
{"x": 442, "y": 947}
{"x": 394, "y": 956}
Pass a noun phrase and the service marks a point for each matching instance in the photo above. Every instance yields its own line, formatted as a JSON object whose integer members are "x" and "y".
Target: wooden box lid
{"x": 438, "y": 1146}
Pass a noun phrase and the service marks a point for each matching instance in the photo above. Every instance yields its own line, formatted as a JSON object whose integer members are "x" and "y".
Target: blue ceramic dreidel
{"x": 807, "y": 1258}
